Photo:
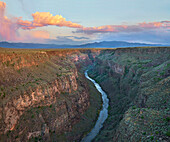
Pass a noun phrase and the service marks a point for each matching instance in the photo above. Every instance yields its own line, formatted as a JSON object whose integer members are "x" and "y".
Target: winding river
{"x": 103, "y": 113}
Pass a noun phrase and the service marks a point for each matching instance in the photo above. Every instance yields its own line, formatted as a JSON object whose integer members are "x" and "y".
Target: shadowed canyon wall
{"x": 137, "y": 82}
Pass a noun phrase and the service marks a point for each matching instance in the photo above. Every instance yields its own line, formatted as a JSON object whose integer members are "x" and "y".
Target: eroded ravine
{"x": 103, "y": 113}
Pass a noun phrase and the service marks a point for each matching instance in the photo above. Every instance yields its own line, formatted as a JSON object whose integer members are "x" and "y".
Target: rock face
{"x": 46, "y": 94}
{"x": 137, "y": 83}
{"x": 41, "y": 89}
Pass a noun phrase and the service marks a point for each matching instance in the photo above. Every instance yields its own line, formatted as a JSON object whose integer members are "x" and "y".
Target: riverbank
{"x": 87, "y": 120}
{"x": 103, "y": 113}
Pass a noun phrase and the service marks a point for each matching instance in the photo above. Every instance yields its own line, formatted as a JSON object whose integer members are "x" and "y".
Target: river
{"x": 103, "y": 113}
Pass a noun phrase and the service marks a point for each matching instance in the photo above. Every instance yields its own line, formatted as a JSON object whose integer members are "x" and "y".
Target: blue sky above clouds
{"x": 82, "y": 21}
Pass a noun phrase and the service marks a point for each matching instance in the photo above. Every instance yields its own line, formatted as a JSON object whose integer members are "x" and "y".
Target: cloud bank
{"x": 125, "y": 28}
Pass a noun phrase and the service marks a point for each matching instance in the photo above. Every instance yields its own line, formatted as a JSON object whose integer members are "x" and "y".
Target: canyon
{"x": 44, "y": 95}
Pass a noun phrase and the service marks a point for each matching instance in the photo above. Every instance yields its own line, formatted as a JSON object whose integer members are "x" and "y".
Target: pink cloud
{"x": 125, "y": 28}
{"x": 41, "y": 19}
{"x": 8, "y": 27}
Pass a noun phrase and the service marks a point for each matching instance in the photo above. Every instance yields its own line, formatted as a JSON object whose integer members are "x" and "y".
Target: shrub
{"x": 168, "y": 133}
{"x": 168, "y": 119}
{"x": 142, "y": 117}
{"x": 134, "y": 107}
{"x": 144, "y": 133}
{"x": 7, "y": 63}
{"x": 151, "y": 137}
{"x": 13, "y": 64}
{"x": 2, "y": 88}
{"x": 16, "y": 137}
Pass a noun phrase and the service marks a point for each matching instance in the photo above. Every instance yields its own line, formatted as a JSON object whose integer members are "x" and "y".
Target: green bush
{"x": 168, "y": 133}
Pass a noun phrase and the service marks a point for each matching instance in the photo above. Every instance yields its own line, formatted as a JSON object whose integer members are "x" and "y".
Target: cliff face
{"x": 137, "y": 83}
{"x": 42, "y": 93}
{"x": 33, "y": 97}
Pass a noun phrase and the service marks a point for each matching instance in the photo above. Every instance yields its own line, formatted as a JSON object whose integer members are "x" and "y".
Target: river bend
{"x": 103, "y": 113}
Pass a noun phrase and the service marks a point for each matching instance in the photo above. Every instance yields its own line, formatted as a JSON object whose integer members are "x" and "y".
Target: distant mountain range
{"x": 115, "y": 44}
{"x": 104, "y": 44}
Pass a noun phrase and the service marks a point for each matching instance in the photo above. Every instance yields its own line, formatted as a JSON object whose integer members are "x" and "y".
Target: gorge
{"x": 44, "y": 95}
{"x": 103, "y": 113}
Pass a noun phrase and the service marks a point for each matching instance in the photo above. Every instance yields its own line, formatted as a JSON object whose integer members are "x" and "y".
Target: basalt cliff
{"x": 44, "y": 95}
{"x": 137, "y": 81}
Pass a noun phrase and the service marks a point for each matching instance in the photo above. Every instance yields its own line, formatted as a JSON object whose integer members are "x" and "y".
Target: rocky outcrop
{"x": 55, "y": 100}
{"x": 24, "y": 60}
{"x": 116, "y": 67}
{"x": 31, "y": 98}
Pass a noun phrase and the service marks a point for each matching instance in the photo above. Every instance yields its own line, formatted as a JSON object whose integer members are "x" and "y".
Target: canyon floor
{"x": 44, "y": 95}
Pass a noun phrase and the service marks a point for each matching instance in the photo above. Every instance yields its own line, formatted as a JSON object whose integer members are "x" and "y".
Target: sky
{"x": 84, "y": 21}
